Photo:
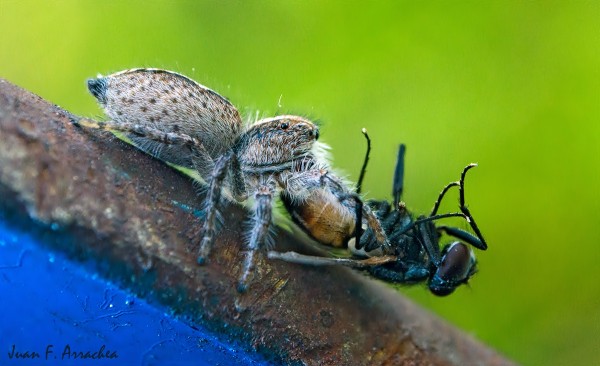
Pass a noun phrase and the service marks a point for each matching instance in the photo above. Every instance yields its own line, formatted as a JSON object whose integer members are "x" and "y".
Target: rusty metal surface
{"x": 95, "y": 197}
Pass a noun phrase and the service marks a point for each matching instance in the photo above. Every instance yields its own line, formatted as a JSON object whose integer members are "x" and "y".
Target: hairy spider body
{"x": 412, "y": 254}
{"x": 182, "y": 122}
{"x": 146, "y": 101}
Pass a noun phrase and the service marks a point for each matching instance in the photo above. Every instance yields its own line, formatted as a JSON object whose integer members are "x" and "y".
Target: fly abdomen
{"x": 324, "y": 217}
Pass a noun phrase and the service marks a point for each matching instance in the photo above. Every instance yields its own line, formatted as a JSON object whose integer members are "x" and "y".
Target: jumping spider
{"x": 182, "y": 122}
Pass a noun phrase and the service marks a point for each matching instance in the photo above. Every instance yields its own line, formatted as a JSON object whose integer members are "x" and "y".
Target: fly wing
{"x": 168, "y": 102}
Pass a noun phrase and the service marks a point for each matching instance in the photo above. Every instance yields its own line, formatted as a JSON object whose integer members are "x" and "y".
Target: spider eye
{"x": 284, "y": 125}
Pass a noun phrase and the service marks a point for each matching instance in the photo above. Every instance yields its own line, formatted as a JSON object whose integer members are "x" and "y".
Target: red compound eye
{"x": 457, "y": 265}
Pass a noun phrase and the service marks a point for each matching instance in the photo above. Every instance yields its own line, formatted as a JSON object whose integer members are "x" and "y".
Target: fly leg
{"x": 293, "y": 257}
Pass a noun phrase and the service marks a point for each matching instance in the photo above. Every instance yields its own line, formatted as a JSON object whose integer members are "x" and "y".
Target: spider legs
{"x": 176, "y": 148}
{"x": 170, "y": 138}
{"x": 201, "y": 160}
{"x": 260, "y": 229}
{"x": 212, "y": 200}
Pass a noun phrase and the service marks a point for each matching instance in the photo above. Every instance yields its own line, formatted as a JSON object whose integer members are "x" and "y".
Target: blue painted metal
{"x": 54, "y": 308}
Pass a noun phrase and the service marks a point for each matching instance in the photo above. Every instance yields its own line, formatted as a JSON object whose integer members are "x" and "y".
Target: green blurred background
{"x": 514, "y": 86}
